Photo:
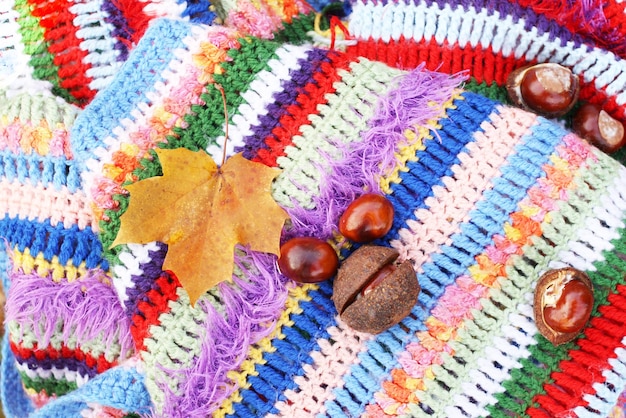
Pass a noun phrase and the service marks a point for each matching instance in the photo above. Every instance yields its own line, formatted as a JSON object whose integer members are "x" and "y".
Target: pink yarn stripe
{"x": 23, "y": 137}
{"x": 451, "y": 204}
{"x": 330, "y": 365}
{"x": 149, "y": 128}
{"x": 39, "y": 203}
{"x": 463, "y": 297}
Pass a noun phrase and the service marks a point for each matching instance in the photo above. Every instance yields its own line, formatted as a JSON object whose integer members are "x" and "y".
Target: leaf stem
{"x": 221, "y": 89}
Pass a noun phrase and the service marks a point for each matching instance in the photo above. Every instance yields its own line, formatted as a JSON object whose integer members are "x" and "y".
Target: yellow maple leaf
{"x": 201, "y": 212}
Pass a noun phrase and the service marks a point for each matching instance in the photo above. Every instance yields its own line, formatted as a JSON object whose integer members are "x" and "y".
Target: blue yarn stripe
{"x": 291, "y": 353}
{"x": 198, "y": 11}
{"x": 36, "y": 169}
{"x": 130, "y": 87}
{"x": 520, "y": 173}
{"x": 69, "y": 245}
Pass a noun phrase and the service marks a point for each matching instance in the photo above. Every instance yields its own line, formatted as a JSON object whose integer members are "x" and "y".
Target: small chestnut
{"x": 563, "y": 303}
{"x": 372, "y": 291}
{"x": 547, "y": 89}
{"x": 307, "y": 260}
{"x": 598, "y": 127}
{"x": 367, "y": 218}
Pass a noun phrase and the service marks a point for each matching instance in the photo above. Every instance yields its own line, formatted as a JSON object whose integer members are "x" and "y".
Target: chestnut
{"x": 598, "y": 127}
{"x": 307, "y": 260}
{"x": 547, "y": 89}
{"x": 372, "y": 291}
{"x": 563, "y": 303}
{"x": 367, "y": 218}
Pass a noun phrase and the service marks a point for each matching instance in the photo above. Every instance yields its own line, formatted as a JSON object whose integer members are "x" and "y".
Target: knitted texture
{"x": 490, "y": 39}
{"x": 487, "y": 197}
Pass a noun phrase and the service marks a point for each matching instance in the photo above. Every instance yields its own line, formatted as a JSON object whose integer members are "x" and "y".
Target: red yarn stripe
{"x": 482, "y": 64}
{"x": 64, "y": 45}
{"x": 585, "y": 365}
{"x": 297, "y": 115}
{"x": 100, "y": 362}
{"x": 136, "y": 19}
{"x": 149, "y": 310}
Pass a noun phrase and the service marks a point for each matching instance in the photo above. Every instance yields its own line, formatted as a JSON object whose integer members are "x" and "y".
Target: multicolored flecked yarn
{"x": 487, "y": 198}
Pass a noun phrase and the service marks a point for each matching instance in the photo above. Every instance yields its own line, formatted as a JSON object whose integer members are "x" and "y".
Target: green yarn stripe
{"x": 36, "y": 47}
{"x": 205, "y": 122}
{"x": 296, "y": 31}
{"x": 525, "y": 383}
{"x": 478, "y": 333}
{"x": 342, "y": 119}
{"x": 51, "y": 386}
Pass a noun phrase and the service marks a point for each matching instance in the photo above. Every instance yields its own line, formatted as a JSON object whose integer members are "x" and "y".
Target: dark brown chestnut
{"x": 307, "y": 260}
{"x": 372, "y": 291}
{"x": 367, "y": 218}
{"x": 547, "y": 89}
{"x": 598, "y": 127}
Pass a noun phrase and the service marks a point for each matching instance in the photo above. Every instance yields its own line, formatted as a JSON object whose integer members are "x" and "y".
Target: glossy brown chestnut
{"x": 307, "y": 260}
{"x": 563, "y": 304}
{"x": 367, "y": 218}
{"x": 547, "y": 89}
{"x": 372, "y": 292}
{"x": 598, "y": 127}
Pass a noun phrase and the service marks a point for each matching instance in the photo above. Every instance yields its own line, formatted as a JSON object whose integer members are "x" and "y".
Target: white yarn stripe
{"x": 165, "y": 8}
{"x": 258, "y": 97}
{"x": 506, "y": 350}
{"x": 130, "y": 262}
{"x": 608, "y": 392}
{"x": 97, "y": 38}
{"x": 472, "y": 27}
{"x": 16, "y": 75}
{"x": 53, "y": 373}
{"x": 614, "y": 200}
{"x": 141, "y": 115}
{"x": 330, "y": 365}
{"x": 450, "y": 205}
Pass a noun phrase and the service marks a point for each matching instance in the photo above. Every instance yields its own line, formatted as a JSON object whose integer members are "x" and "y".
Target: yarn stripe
{"x": 259, "y": 99}
{"x": 14, "y": 68}
{"x": 41, "y": 204}
{"x": 519, "y": 388}
{"x": 601, "y": 73}
{"x": 441, "y": 273}
{"x": 52, "y": 269}
{"x": 59, "y": 31}
{"x": 479, "y": 387}
{"x": 96, "y": 40}
{"x": 92, "y": 126}
{"x": 35, "y": 46}
{"x": 603, "y": 400}
{"x": 309, "y": 94}
{"x": 451, "y": 204}
{"x": 70, "y": 246}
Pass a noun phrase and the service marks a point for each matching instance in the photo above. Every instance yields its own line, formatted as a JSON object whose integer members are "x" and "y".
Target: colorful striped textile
{"x": 487, "y": 198}
{"x": 490, "y": 39}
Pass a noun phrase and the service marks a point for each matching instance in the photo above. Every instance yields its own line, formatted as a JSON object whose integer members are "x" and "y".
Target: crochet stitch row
{"x": 537, "y": 177}
{"x": 491, "y": 39}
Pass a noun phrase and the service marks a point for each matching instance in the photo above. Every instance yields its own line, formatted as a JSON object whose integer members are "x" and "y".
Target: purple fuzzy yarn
{"x": 88, "y": 308}
{"x": 251, "y": 308}
{"x": 407, "y": 106}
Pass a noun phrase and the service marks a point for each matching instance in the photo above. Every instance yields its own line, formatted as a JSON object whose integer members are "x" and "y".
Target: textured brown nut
{"x": 598, "y": 127}
{"x": 547, "y": 89}
{"x": 380, "y": 306}
{"x": 560, "y": 290}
